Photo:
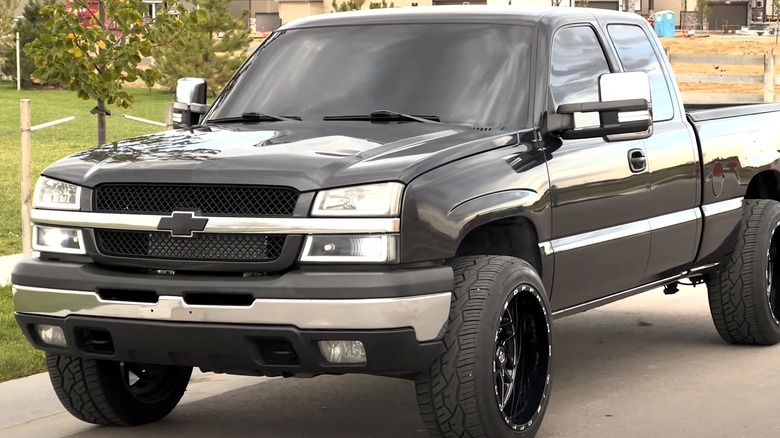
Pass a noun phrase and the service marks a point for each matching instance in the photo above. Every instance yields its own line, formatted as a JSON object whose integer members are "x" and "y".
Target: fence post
{"x": 18, "y": 64}
{"x": 26, "y": 132}
{"x": 769, "y": 76}
{"x": 169, "y": 116}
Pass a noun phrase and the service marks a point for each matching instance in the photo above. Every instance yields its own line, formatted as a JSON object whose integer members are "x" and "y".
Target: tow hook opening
{"x": 277, "y": 352}
{"x": 95, "y": 341}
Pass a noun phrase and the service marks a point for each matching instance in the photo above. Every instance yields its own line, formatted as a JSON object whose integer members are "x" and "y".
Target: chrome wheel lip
{"x": 501, "y": 404}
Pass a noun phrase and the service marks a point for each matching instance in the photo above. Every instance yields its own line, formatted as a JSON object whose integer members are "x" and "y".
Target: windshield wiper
{"x": 256, "y": 117}
{"x": 385, "y": 115}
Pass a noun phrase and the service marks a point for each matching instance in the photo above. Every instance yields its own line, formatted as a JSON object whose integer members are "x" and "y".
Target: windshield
{"x": 474, "y": 74}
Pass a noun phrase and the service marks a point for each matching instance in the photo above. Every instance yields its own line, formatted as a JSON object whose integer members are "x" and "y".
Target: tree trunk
{"x": 101, "y": 105}
{"x": 101, "y": 122}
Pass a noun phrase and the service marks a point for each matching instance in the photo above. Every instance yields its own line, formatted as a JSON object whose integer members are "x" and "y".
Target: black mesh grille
{"x": 202, "y": 247}
{"x": 209, "y": 200}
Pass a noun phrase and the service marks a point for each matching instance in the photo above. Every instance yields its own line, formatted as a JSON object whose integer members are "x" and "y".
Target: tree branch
{"x": 176, "y": 35}
{"x": 83, "y": 52}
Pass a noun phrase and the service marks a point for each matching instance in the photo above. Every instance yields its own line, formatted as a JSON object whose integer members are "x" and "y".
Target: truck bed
{"x": 701, "y": 112}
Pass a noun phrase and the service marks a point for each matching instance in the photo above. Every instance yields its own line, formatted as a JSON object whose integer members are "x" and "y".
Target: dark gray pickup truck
{"x": 413, "y": 192}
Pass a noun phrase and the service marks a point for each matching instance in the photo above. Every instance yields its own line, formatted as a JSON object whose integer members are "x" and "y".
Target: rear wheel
{"x": 116, "y": 393}
{"x": 493, "y": 380}
{"x": 744, "y": 296}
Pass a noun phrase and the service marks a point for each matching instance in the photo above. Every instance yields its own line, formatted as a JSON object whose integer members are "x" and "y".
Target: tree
{"x": 349, "y": 5}
{"x": 30, "y": 26}
{"x": 775, "y": 11}
{"x": 356, "y": 5}
{"x": 775, "y": 7}
{"x": 7, "y": 8}
{"x": 95, "y": 48}
{"x": 703, "y": 11}
{"x": 213, "y": 48}
{"x": 381, "y": 5}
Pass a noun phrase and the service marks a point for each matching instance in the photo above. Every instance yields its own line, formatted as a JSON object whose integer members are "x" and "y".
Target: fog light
{"x": 343, "y": 351}
{"x": 51, "y": 335}
{"x": 54, "y": 239}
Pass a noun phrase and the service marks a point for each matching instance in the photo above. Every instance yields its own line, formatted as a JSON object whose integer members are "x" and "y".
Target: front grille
{"x": 200, "y": 247}
{"x": 209, "y": 200}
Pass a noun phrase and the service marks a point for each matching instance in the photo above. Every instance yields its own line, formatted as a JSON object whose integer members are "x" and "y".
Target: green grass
{"x": 17, "y": 357}
{"x": 53, "y": 143}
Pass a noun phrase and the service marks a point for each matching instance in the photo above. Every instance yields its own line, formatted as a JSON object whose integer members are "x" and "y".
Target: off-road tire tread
{"x": 732, "y": 305}
{"x": 448, "y": 388}
{"x": 76, "y": 384}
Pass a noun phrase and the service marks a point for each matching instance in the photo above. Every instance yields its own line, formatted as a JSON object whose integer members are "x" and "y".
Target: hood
{"x": 301, "y": 155}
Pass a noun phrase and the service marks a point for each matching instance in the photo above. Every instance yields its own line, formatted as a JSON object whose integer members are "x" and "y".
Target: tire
{"x": 98, "y": 391}
{"x": 744, "y": 301}
{"x": 459, "y": 394}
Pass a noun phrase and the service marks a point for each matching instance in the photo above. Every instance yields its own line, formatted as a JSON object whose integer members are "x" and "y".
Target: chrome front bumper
{"x": 426, "y": 314}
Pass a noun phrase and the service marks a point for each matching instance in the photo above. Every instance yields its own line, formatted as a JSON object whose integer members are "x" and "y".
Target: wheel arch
{"x": 505, "y": 223}
{"x": 764, "y": 185}
{"x": 513, "y": 236}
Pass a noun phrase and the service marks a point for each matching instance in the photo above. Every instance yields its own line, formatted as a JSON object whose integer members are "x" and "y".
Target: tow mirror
{"x": 623, "y": 112}
{"x": 190, "y": 103}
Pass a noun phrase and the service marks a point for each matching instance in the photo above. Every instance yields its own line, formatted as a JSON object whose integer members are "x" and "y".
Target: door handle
{"x": 637, "y": 160}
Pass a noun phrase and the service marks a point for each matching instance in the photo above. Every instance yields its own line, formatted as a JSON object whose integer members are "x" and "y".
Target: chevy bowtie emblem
{"x": 182, "y": 224}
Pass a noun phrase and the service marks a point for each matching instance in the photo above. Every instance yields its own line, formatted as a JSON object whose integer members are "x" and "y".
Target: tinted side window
{"x": 577, "y": 62}
{"x": 636, "y": 54}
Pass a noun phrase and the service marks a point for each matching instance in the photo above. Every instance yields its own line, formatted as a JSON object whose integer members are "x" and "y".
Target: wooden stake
{"x": 26, "y": 133}
{"x": 769, "y": 76}
{"x": 169, "y": 116}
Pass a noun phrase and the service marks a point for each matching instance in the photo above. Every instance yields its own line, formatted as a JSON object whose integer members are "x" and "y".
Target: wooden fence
{"x": 768, "y": 79}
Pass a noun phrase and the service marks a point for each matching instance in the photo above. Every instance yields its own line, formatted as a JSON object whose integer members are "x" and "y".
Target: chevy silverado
{"x": 416, "y": 193}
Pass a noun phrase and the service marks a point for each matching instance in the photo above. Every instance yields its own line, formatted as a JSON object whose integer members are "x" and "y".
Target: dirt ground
{"x": 722, "y": 45}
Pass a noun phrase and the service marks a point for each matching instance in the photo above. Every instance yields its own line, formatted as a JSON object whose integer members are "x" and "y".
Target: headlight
{"x": 55, "y": 194}
{"x": 55, "y": 239}
{"x": 369, "y": 200}
{"x": 377, "y": 248}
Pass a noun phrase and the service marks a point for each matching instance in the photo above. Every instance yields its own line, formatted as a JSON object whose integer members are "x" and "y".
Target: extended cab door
{"x": 600, "y": 233}
{"x": 672, "y": 158}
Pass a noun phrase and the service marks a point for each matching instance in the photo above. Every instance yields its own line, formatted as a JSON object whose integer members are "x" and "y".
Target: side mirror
{"x": 190, "y": 103}
{"x": 623, "y": 112}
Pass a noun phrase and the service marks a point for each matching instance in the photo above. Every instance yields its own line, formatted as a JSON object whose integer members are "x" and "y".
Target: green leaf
{"x": 201, "y": 15}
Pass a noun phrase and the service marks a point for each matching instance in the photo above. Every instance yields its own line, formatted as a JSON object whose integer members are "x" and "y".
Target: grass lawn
{"x": 17, "y": 357}
{"x": 53, "y": 143}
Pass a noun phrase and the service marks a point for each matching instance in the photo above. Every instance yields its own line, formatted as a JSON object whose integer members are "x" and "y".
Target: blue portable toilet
{"x": 663, "y": 22}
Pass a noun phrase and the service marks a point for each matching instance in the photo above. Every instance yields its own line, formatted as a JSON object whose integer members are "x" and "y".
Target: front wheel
{"x": 116, "y": 393}
{"x": 493, "y": 379}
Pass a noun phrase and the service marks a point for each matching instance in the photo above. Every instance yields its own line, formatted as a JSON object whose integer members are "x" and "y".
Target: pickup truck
{"x": 415, "y": 193}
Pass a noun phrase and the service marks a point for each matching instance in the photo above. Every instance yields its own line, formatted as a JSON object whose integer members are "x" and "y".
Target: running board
{"x": 625, "y": 294}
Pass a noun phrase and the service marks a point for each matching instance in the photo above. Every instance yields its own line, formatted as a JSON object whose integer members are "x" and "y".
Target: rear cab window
{"x": 636, "y": 53}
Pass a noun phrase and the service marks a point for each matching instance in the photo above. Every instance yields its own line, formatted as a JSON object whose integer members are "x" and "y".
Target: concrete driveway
{"x": 650, "y": 366}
